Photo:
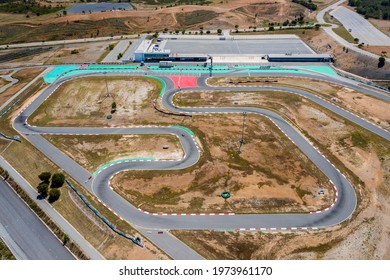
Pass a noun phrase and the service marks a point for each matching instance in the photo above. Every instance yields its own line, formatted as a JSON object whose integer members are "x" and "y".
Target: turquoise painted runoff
{"x": 164, "y": 85}
{"x": 56, "y": 72}
{"x": 319, "y": 69}
{"x": 70, "y": 70}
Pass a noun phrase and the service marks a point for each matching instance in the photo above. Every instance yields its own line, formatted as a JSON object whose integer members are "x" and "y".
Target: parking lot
{"x": 226, "y": 47}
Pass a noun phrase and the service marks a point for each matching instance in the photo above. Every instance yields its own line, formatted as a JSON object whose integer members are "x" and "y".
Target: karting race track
{"x": 342, "y": 208}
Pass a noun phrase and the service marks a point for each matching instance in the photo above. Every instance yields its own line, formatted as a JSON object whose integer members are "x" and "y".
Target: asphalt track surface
{"x": 340, "y": 211}
{"x": 24, "y": 233}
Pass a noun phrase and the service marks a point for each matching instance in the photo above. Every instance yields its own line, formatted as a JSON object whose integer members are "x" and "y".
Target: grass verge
{"x": 5, "y": 253}
{"x": 73, "y": 247}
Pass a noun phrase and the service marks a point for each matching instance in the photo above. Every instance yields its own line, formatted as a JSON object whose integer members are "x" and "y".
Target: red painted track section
{"x": 184, "y": 81}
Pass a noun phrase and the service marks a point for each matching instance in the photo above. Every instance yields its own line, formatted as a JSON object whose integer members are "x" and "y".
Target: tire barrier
{"x": 9, "y": 108}
{"x": 136, "y": 240}
{"x": 15, "y": 138}
{"x": 170, "y": 113}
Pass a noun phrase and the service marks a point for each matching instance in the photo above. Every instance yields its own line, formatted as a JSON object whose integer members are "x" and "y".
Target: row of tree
{"x": 379, "y": 9}
{"x": 50, "y": 184}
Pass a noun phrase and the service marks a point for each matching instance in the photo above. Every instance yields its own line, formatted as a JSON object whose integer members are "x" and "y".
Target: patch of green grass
{"x": 196, "y": 202}
{"x": 301, "y": 193}
{"x": 359, "y": 139}
{"x": 343, "y": 33}
{"x": 5, "y": 253}
{"x": 106, "y": 52}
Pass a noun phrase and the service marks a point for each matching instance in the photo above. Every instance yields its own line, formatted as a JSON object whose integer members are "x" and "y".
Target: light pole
{"x": 242, "y": 133}
{"x": 211, "y": 65}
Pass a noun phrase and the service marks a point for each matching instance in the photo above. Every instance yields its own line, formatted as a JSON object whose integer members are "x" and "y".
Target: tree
{"x": 271, "y": 28}
{"x": 5, "y": 174}
{"x": 381, "y": 62}
{"x": 64, "y": 12}
{"x": 57, "y": 180}
{"x": 219, "y": 31}
{"x": 65, "y": 239}
{"x": 45, "y": 177}
{"x": 356, "y": 40}
{"x": 113, "y": 107}
{"x": 54, "y": 195}
{"x": 317, "y": 26}
{"x": 43, "y": 189}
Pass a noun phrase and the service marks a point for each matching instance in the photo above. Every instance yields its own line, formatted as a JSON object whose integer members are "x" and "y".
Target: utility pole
{"x": 105, "y": 78}
{"x": 242, "y": 133}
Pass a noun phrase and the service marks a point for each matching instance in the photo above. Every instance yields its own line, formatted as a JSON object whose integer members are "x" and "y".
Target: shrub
{"x": 43, "y": 189}
{"x": 57, "y": 180}
{"x": 54, "y": 195}
{"x": 45, "y": 177}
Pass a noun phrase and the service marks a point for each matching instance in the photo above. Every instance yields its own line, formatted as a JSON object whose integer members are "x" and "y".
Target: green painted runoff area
{"x": 120, "y": 161}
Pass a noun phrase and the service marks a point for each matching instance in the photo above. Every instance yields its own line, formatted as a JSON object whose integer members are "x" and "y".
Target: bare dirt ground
{"x": 3, "y": 82}
{"x": 24, "y": 77}
{"x": 87, "y": 53}
{"x": 382, "y": 25}
{"x": 256, "y": 178}
{"x": 94, "y": 151}
{"x": 83, "y": 102}
{"x": 366, "y": 160}
{"x": 363, "y": 105}
{"x": 348, "y": 61}
{"x": 226, "y": 15}
{"x": 379, "y": 50}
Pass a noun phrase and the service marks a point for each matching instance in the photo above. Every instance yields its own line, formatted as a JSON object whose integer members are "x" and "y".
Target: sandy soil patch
{"x": 94, "y": 151}
{"x": 84, "y": 101}
{"x": 256, "y": 178}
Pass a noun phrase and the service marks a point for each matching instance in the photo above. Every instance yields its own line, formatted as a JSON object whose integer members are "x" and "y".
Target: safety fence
{"x": 136, "y": 240}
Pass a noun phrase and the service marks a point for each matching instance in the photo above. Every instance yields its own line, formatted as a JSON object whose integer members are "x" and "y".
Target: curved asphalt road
{"x": 341, "y": 210}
